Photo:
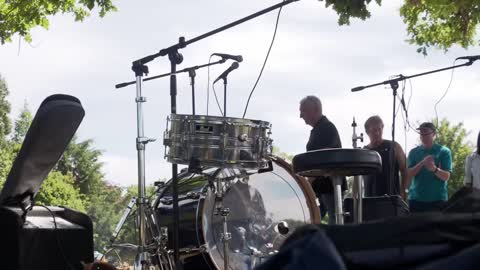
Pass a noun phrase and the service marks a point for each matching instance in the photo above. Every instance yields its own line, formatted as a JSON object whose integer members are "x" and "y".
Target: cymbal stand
{"x": 142, "y": 260}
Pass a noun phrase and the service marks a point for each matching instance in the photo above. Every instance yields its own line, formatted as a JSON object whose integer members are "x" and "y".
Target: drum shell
{"x": 218, "y": 141}
{"x": 198, "y": 226}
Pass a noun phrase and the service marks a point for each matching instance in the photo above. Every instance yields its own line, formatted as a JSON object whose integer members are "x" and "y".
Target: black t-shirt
{"x": 379, "y": 184}
{"x": 324, "y": 135}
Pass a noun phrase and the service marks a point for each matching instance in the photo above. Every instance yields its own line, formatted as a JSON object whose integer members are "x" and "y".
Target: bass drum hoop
{"x": 302, "y": 182}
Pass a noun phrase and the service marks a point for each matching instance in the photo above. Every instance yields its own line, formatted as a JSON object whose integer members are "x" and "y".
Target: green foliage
{"x": 441, "y": 23}
{"x": 105, "y": 209}
{"x": 453, "y": 137}
{"x": 58, "y": 190}
{"x": 287, "y": 157}
{"x": 7, "y": 154}
{"x": 22, "y": 124}
{"x": 83, "y": 162}
{"x": 20, "y": 16}
{"x": 430, "y": 23}
{"x": 5, "y": 125}
{"x": 347, "y": 9}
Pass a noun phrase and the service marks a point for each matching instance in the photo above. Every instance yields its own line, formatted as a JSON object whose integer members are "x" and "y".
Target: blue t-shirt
{"x": 425, "y": 186}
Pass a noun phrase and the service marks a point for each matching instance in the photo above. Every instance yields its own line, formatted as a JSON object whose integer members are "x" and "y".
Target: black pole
{"x": 175, "y": 58}
{"x": 390, "y": 183}
{"x": 225, "y": 96}
{"x": 191, "y": 74}
{"x": 401, "y": 78}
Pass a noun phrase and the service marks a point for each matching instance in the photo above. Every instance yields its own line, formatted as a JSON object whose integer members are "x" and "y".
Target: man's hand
{"x": 429, "y": 163}
{"x": 310, "y": 179}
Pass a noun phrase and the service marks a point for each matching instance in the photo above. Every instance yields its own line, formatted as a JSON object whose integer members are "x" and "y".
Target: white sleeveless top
{"x": 472, "y": 170}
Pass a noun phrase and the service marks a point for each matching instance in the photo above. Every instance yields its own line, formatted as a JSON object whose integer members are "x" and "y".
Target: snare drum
{"x": 217, "y": 141}
{"x": 258, "y": 205}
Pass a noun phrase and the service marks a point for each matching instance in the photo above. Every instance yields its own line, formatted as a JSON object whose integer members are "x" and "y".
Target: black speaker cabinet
{"x": 375, "y": 208}
{"x": 36, "y": 243}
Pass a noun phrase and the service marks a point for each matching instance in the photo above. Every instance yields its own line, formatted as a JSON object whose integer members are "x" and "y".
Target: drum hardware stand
{"x": 142, "y": 260}
{"x": 357, "y": 182}
{"x": 225, "y": 236}
{"x": 175, "y": 59}
{"x": 337, "y": 189}
{"x": 394, "y": 85}
{"x": 220, "y": 190}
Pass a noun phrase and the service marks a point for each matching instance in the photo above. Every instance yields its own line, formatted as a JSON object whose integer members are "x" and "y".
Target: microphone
{"x": 469, "y": 58}
{"x": 358, "y": 88}
{"x": 237, "y": 58}
{"x": 234, "y": 65}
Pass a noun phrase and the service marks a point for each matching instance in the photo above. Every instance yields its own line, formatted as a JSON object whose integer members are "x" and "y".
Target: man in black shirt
{"x": 381, "y": 183}
{"x": 323, "y": 135}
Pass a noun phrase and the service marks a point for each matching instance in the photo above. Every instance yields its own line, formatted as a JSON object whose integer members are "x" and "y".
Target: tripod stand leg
{"x": 124, "y": 217}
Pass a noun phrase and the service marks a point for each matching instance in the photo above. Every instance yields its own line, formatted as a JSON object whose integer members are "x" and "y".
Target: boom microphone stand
{"x": 191, "y": 74}
{"x": 175, "y": 59}
{"x": 394, "y": 85}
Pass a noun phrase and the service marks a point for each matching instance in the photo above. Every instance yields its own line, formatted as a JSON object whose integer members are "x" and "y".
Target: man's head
{"x": 310, "y": 110}
{"x": 427, "y": 133}
{"x": 374, "y": 129}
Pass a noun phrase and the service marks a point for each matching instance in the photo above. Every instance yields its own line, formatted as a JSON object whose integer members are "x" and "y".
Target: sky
{"x": 311, "y": 55}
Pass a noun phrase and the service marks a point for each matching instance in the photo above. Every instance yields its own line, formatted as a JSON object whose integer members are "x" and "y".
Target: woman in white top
{"x": 472, "y": 168}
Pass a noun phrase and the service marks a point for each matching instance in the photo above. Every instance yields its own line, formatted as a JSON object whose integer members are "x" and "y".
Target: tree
{"x": 5, "y": 124}
{"x": 350, "y": 9}
{"x": 441, "y": 23}
{"x": 287, "y": 157}
{"x": 430, "y": 23}
{"x": 58, "y": 190}
{"x": 105, "y": 209}
{"x": 453, "y": 137}
{"x": 20, "y": 16}
{"x": 82, "y": 160}
{"x": 22, "y": 124}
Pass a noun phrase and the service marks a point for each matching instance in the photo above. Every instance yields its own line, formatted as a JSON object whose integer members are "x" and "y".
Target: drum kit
{"x": 237, "y": 201}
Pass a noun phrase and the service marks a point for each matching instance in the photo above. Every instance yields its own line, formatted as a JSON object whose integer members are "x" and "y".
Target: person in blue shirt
{"x": 429, "y": 168}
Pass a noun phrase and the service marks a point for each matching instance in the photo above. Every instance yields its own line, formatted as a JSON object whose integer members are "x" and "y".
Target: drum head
{"x": 258, "y": 204}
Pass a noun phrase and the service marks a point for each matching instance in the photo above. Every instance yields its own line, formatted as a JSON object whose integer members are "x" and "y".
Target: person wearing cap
{"x": 472, "y": 168}
{"x": 381, "y": 183}
{"x": 429, "y": 168}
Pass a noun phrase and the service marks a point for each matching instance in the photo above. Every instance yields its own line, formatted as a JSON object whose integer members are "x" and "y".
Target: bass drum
{"x": 265, "y": 208}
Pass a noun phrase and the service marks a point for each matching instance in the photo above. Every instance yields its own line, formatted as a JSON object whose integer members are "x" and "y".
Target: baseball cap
{"x": 428, "y": 125}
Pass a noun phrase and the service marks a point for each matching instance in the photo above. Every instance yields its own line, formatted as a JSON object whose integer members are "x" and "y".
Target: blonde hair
{"x": 372, "y": 120}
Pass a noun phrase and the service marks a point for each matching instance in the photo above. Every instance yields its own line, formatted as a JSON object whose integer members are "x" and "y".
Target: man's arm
{"x": 402, "y": 164}
{"x": 413, "y": 169}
